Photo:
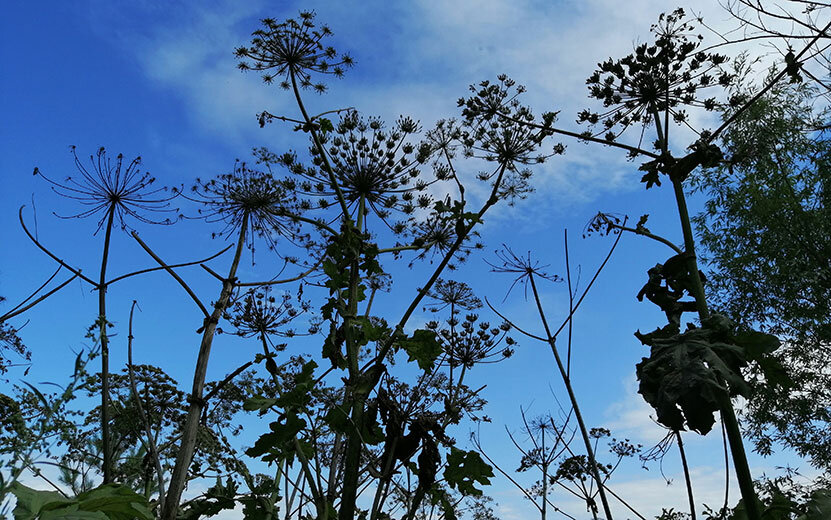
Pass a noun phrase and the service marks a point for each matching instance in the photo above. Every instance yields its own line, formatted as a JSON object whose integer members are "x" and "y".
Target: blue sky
{"x": 158, "y": 79}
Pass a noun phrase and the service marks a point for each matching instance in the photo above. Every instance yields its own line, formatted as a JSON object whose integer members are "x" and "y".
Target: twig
{"x": 19, "y": 310}
{"x": 151, "y": 443}
{"x": 171, "y": 272}
{"x": 76, "y": 272}
{"x": 174, "y": 266}
{"x": 225, "y": 381}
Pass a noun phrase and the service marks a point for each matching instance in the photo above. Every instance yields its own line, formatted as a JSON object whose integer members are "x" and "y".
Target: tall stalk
{"x": 728, "y": 414}
{"x": 106, "y": 442}
{"x": 584, "y": 432}
{"x": 188, "y": 445}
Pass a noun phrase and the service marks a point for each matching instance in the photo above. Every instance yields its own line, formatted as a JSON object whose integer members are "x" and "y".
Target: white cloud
{"x": 417, "y": 59}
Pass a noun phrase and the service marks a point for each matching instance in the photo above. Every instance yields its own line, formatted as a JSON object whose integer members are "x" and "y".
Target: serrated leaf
{"x": 464, "y": 469}
{"x": 422, "y": 347}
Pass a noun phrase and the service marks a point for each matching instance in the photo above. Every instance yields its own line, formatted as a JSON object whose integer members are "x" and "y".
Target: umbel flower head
{"x": 453, "y": 294}
{"x": 107, "y": 186}
{"x": 292, "y": 50}
{"x": 247, "y": 194}
{"x": 258, "y": 312}
{"x": 660, "y": 77}
{"x": 371, "y": 164}
{"x": 469, "y": 342}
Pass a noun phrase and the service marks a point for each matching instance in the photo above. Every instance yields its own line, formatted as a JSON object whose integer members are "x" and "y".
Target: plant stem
{"x": 573, "y": 398}
{"x": 686, "y": 473}
{"x": 106, "y": 442}
{"x": 188, "y": 445}
{"x": 728, "y": 415}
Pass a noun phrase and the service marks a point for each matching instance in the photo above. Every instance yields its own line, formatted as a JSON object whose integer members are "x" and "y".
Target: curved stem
{"x": 51, "y": 255}
{"x": 20, "y": 309}
{"x": 174, "y": 266}
{"x": 151, "y": 443}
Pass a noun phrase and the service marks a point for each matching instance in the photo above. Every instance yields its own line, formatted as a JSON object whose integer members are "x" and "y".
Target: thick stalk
{"x": 354, "y": 443}
{"x": 185, "y": 456}
{"x": 544, "y": 479}
{"x": 573, "y": 398}
{"x": 728, "y": 415}
{"x": 106, "y": 441}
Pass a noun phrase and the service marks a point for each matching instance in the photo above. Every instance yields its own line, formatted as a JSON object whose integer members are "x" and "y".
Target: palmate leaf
{"x": 30, "y": 501}
{"x": 464, "y": 469}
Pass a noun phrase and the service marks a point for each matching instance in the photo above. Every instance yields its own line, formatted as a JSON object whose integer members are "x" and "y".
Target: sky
{"x": 158, "y": 79}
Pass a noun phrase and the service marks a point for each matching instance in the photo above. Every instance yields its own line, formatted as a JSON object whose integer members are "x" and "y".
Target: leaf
{"x": 422, "y": 347}
{"x": 326, "y": 125}
{"x": 106, "y": 502}
{"x": 258, "y": 403}
{"x": 30, "y": 501}
{"x": 687, "y": 375}
{"x": 117, "y": 501}
{"x": 819, "y": 506}
{"x": 280, "y": 442}
{"x": 73, "y": 513}
{"x": 464, "y": 469}
{"x": 756, "y": 344}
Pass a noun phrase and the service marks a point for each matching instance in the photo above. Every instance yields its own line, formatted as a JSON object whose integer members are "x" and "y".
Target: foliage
{"x": 363, "y": 424}
{"x": 10, "y": 342}
{"x": 766, "y": 229}
{"x": 106, "y": 502}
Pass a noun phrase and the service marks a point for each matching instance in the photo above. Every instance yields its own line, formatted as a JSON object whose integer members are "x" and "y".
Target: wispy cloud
{"x": 415, "y": 58}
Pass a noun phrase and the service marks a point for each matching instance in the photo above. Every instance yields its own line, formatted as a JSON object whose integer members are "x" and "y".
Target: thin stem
{"x": 573, "y": 398}
{"x": 151, "y": 443}
{"x": 687, "y": 478}
{"x": 327, "y": 166}
{"x": 570, "y": 303}
{"x": 174, "y": 266}
{"x": 172, "y": 273}
{"x": 644, "y": 233}
{"x": 632, "y": 149}
{"x": 20, "y": 310}
{"x": 51, "y": 255}
{"x": 767, "y": 88}
{"x": 588, "y": 287}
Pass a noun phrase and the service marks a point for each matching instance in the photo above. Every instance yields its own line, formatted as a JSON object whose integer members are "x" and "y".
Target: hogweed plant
{"x": 118, "y": 193}
{"x": 363, "y": 176}
{"x": 651, "y": 90}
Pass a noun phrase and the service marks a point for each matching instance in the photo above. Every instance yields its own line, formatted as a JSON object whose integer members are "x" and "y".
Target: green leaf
{"x": 325, "y": 125}
{"x": 73, "y": 513}
{"x": 756, "y": 344}
{"x": 30, "y": 501}
{"x": 464, "y": 469}
{"x": 258, "y": 403}
{"x": 819, "y": 506}
{"x": 117, "y": 501}
{"x": 422, "y": 347}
